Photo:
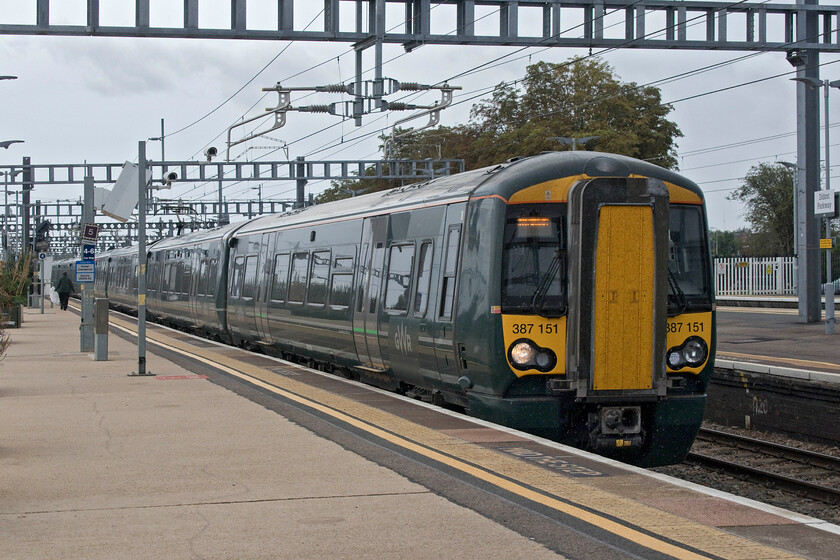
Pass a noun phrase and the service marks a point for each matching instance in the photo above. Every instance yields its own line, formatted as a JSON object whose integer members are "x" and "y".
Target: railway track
{"x": 807, "y": 474}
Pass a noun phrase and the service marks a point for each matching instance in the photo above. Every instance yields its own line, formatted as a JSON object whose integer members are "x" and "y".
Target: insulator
{"x": 412, "y": 86}
{"x": 397, "y": 106}
{"x": 333, "y": 88}
{"x": 316, "y": 109}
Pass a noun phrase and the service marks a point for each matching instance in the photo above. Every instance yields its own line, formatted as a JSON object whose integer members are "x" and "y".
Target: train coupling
{"x": 616, "y": 428}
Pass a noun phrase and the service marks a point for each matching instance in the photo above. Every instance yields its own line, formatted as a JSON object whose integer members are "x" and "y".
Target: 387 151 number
{"x": 528, "y": 328}
{"x": 687, "y": 327}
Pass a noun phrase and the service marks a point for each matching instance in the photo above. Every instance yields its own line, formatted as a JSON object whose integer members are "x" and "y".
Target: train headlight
{"x": 675, "y": 359}
{"x": 693, "y": 352}
{"x": 543, "y": 360}
{"x": 525, "y": 354}
{"x": 522, "y": 353}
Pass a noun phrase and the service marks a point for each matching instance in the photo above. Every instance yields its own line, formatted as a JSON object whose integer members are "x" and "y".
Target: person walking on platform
{"x": 64, "y": 288}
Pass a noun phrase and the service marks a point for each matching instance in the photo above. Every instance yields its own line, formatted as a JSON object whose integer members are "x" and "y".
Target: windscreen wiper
{"x": 676, "y": 292}
{"x": 538, "y": 303}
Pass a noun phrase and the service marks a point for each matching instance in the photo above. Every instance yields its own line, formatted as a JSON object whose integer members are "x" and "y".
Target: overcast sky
{"x": 92, "y": 99}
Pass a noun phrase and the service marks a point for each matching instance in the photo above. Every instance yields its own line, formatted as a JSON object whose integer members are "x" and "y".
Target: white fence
{"x": 772, "y": 276}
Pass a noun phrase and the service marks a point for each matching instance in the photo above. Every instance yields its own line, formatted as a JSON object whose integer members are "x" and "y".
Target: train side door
{"x": 263, "y": 289}
{"x": 366, "y": 315}
{"x": 443, "y": 331}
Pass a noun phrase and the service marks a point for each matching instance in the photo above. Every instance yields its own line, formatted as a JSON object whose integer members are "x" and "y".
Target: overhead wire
{"x": 483, "y": 91}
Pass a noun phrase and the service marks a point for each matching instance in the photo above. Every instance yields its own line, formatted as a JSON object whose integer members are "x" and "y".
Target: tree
{"x": 724, "y": 244}
{"x": 767, "y": 192}
{"x": 581, "y": 97}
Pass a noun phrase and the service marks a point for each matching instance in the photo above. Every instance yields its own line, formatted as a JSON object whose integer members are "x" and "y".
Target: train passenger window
{"x": 398, "y": 286}
{"x": 168, "y": 278}
{"x": 178, "y": 286}
{"x": 280, "y": 277}
{"x": 424, "y": 277}
{"x": 201, "y": 281}
{"x": 212, "y": 270}
{"x": 450, "y": 268}
{"x": 237, "y": 277}
{"x": 187, "y": 280}
{"x": 319, "y": 278}
{"x": 341, "y": 289}
{"x": 249, "y": 286}
{"x": 300, "y": 271}
{"x": 363, "y": 278}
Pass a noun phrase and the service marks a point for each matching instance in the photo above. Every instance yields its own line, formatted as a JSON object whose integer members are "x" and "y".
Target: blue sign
{"x": 85, "y": 271}
{"x": 88, "y": 252}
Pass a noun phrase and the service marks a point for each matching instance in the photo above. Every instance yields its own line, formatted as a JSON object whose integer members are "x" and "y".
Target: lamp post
{"x": 6, "y": 217}
{"x": 574, "y": 142}
{"x": 826, "y": 84}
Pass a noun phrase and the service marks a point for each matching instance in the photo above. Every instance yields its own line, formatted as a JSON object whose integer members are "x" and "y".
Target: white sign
{"x": 123, "y": 198}
{"x": 85, "y": 271}
{"x": 823, "y": 203}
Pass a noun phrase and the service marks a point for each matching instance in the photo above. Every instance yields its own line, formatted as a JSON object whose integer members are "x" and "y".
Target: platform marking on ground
{"x": 636, "y": 523}
{"x": 768, "y": 310}
{"x": 792, "y": 361}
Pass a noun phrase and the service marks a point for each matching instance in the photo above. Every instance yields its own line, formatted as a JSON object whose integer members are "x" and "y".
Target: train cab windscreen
{"x": 534, "y": 264}
{"x": 688, "y": 265}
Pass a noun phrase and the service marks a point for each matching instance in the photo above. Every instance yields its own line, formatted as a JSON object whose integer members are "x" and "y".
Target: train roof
{"x": 503, "y": 180}
{"x": 192, "y": 237}
{"x": 526, "y": 172}
{"x": 442, "y": 190}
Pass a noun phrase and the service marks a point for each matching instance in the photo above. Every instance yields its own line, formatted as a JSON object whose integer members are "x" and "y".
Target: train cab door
{"x": 366, "y": 313}
{"x": 618, "y": 277}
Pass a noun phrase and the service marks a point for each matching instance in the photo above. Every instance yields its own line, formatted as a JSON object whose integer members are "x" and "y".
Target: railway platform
{"x": 228, "y": 454}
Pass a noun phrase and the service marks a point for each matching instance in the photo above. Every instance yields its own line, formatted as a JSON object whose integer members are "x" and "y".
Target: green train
{"x": 568, "y": 295}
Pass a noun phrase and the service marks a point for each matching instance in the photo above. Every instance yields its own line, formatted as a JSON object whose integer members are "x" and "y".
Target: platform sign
{"x": 824, "y": 204}
{"x": 88, "y": 252}
{"x": 85, "y": 271}
{"x": 90, "y": 232}
{"x": 827, "y": 243}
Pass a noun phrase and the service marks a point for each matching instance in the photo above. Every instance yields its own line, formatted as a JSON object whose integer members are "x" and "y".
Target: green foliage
{"x": 767, "y": 193}
{"x": 575, "y": 99}
{"x": 724, "y": 244}
{"x": 15, "y": 278}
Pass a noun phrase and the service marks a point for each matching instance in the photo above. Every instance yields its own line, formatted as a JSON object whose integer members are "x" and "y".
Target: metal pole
{"x": 6, "y": 217}
{"x": 829, "y": 300}
{"x": 224, "y": 219}
{"x": 26, "y": 187}
{"x": 300, "y": 171}
{"x": 41, "y": 274}
{"x": 162, "y": 152}
{"x": 86, "y": 330}
{"x": 141, "y": 263}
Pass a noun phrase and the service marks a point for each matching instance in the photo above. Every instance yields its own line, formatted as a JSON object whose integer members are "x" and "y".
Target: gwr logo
{"x": 402, "y": 340}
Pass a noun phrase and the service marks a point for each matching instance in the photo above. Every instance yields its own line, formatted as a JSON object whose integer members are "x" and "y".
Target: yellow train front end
{"x": 607, "y": 310}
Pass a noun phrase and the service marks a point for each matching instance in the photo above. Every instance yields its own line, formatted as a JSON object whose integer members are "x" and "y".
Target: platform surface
{"x": 96, "y": 463}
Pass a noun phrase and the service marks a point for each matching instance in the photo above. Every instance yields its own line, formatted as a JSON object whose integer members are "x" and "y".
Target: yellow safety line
{"x": 594, "y": 519}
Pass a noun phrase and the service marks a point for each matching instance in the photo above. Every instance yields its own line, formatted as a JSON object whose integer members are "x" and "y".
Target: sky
{"x": 92, "y": 99}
